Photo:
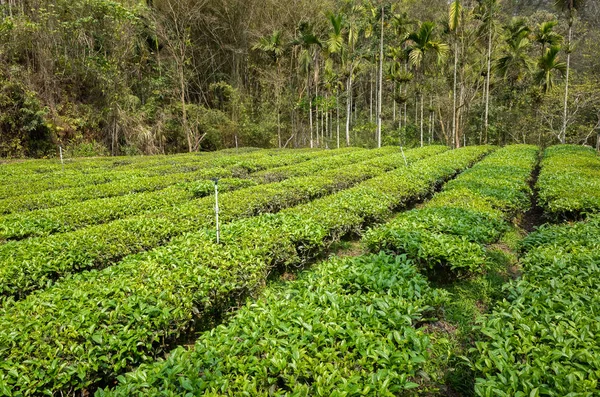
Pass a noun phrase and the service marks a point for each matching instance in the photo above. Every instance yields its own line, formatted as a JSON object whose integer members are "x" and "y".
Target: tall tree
{"x": 455, "y": 14}
{"x": 487, "y": 11}
{"x": 548, "y": 64}
{"x": 421, "y": 45}
{"x": 571, "y": 7}
{"x": 308, "y": 43}
{"x": 546, "y": 36}
{"x": 379, "y": 116}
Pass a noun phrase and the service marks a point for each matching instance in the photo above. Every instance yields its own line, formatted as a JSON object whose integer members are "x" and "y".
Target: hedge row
{"x": 569, "y": 181}
{"x": 96, "y": 325}
{"x": 450, "y": 232}
{"x": 347, "y": 327}
{"x": 54, "y": 198}
{"x": 95, "y": 174}
{"x": 97, "y": 211}
{"x": 544, "y": 339}
{"x": 31, "y": 264}
{"x": 285, "y": 172}
{"x": 15, "y": 171}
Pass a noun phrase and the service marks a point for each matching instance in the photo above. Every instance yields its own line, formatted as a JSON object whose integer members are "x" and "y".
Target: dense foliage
{"x": 95, "y": 325}
{"x": 569, "y": 183}
{"x": 97, "y": 246}
{"x": 345, "y": 328}
{"x": 122, "y": 183}
{"x": 164, "y": 76}
{"x": 360, "y": 326}
{"x": 544, "y": 339}
{"x": 450, "y": 232}
{"x": 101, "y": 210}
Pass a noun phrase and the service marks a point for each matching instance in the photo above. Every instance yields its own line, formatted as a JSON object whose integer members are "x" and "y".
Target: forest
{"x": 127, "y": 77}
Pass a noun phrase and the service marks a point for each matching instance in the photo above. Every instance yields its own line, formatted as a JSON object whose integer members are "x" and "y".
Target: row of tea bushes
{"x": 347, "y": 327}
{"x": 450, "y": 232}
{"x": 96, "y": 325}
{"x": 133, "y": 183}
{"x": 32, "y": 264}
{"x": 569, "y": 181}
{"x": 544, "y": 338}
{"x": 23, "y": 182}
{"x": 51, "y": 175}
{"x": 97, "y": 211}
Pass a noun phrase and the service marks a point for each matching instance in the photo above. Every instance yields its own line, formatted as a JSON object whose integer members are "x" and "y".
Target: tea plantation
{"x": 344, "y": 272}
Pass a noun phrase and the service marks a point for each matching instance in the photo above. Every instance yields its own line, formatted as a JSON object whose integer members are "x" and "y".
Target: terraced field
{"x": 338, "y": 272}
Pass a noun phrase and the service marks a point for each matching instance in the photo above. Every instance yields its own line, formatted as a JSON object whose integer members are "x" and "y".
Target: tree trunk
{"x": 433, "y": 125}
{"x": 454, "y": 129}
{"x": 459, "y": 112}
{"x": 394, "y": 104}
{"x": 563, "y": 137}
{"x": 348, "y": 109}
{"x": 278, "y": 128}
{"x": 416, "y": 109}
{"x": 311, "y": 122}
{"x": 326, "y": 124}
{"x": 487, "y": 85}
{"x": 317, "y": 114}
{"x": 421, "y": 119}
{"x": 337, "y": 113}
{"x": 371, "y": 101}
{"x": 430, "y": 120}
{"x": 379, "y": 120}
{"x": 183, "y": 110}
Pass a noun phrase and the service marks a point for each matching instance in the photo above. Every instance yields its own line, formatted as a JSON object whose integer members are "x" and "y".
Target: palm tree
{"x": 487, "y": 11}
{"x": 454, "y": 22}
{"x": 308, "y": 41}
{"x": 335, "y": 46}
{"x": 515, "y": 62}
{"x": 421, "y": 45}
{"x": 379, "y": 119}
{"x": 571, "y": 6}
{"x": 549, "y": 63}
{"x": 546, "y": 36}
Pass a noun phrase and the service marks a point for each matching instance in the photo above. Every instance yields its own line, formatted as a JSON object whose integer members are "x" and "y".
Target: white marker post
{"x": 61, "y": 157}
{"x": 216, "y": 181}
{"x": 405, "y": 162}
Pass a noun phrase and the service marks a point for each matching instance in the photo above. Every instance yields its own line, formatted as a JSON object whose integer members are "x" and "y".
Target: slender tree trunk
{"x": 278, "y": 127}
{"x": 348, "y": 108}
{"x": 454, "y": 129}
{"x": 399, "y": 117}
{"x": 310, "y": 112}
{"x": 326, "y": 124}
{"x": 311, "y": 122}
{"x": 379, "y": 120}
{"x": 422, "y": 119}
{"x": 416, "y": 109}
{"x": 563, "y": 137}
{"x": 430, "y": 120}
{"x": 184, "y": 123}
{"x": 433, "y": 125}
{"x": 459, "y": 113}
{"x": 337, "y": 114}
{"x": 317, "y": 114}
{"x": 394, "y": 104}
{"x": 371, "y": 101}
{"x": 487, "y": 84}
